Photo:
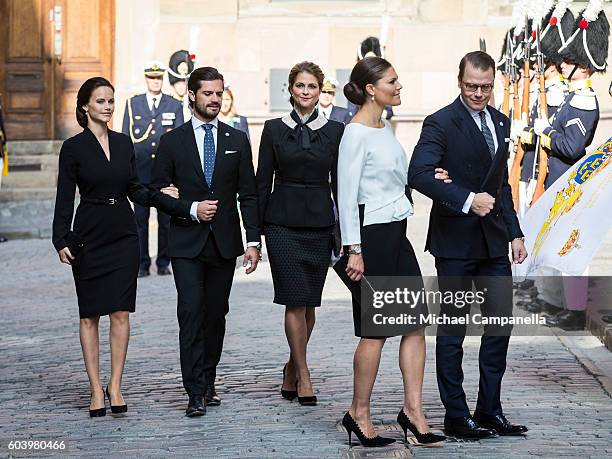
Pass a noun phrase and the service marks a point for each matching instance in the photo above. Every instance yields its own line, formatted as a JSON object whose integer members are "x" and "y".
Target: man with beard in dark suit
{"x": 210, "y": 163}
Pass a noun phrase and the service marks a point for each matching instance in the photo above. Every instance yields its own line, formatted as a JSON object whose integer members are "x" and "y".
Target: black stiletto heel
{"x": 309, "y": 400}
{"x": 352, "y": 427}
{"x": 287, "y": 394}
{"x": 116, "y": 409}
{"x": 424, "y": 439}
{"x": 98, "y": 413}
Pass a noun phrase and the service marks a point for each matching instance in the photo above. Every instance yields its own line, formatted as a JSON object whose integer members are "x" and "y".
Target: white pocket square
{"x": 507, "y": 139}
{"x": 230, "y": 152}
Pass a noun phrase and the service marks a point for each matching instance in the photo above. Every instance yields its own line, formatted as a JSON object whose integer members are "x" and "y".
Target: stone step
{"x": 33, "y": 147}
{"x": 21, "y": 162}
{"x": 26, "y": 194}
{"x": 30, "y": 179}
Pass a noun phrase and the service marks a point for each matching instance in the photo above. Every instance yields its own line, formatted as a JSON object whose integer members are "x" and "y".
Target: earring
{"x": 372, "y": 97}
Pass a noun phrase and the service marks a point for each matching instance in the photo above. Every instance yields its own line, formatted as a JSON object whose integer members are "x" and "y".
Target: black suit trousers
{"x": 493, "y": 276}
{"x": 203, "y": 285}
{"x": 163, "y": 225}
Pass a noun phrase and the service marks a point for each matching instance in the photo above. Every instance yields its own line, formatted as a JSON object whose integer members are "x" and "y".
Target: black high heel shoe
{"x": 309, "y": 400}
{"x": 116, "y": 409}
{"x": 352, "y": 427}
{"x": 424, "y": 439}
{"x": 99, "y": 412}
{"x": 287, "y": 394}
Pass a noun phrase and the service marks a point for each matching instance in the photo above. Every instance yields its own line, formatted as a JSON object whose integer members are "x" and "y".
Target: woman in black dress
{"x": 300, "y": 151}
{"x": 103, "y": 245}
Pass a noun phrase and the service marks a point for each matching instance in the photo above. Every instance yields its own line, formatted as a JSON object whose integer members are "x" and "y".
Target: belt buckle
{"x": 112, "y": 201}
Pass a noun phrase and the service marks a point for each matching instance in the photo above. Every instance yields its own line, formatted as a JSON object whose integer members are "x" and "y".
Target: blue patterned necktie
{"x": 486, "y": 132}
{"x": 209, "y": 153}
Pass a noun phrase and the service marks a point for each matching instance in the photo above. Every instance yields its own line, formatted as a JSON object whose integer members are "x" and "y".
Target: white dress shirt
{"x": 489, "y": 120}
{"x": 150, "y": 98}
{"x": 372, "y": 170}
{"x": 326, "y": 110}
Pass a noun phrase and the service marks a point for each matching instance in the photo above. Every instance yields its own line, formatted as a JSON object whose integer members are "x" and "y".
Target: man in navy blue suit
{"x": 472, "y": 221}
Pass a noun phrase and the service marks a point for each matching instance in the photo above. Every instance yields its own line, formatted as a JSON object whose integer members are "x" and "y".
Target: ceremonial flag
{"x": 566, "y": 226}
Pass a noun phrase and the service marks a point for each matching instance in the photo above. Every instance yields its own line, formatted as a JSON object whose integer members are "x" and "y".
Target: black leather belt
{"x": 103, "y": 201}
{"x": 301, "y": 184}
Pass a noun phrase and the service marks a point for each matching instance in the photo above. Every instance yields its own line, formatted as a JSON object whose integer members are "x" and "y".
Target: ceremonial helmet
{"x": 556, "y": 28}
{"x": 369, "y": 45}
{"x": 588, "y": 46}
{"x": 180, "y": 67}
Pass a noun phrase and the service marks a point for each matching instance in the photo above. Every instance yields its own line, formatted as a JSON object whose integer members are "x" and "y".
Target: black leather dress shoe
{"x": 142, "y": 272}
{"x": 568, "y": 320}
{"x": 500, "y": 424}
{"x": 210, "y": 397}
{"x": 466, "y": 428}
{"x": 196, "y": 406}
{"x": 163, "y": 271}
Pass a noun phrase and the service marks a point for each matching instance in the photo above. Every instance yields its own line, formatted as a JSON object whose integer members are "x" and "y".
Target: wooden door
{"x": 87, "y": 51}
{"x": 26, "y": 68}
{"x": 48, "y": 48}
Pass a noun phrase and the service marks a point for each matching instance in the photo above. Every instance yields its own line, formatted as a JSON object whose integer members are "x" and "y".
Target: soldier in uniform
{"x": 559, "y": 21}
{"x": 568, "y": 133}
{"x": 326, "y": 103}
{"x": 147, "y": 116}
{"x": 179, "y": 68}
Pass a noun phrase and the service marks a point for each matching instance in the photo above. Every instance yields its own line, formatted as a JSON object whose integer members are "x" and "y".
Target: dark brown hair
{"x": 367, "y": 71}
{"x": 308, "y": 67}
{"x": 84, "y": 95}
{"x": 477, "y": 59}
{"x": 202, "y": 74}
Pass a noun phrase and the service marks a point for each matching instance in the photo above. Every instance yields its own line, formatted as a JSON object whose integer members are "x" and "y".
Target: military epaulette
{"x": 584, "y": 99}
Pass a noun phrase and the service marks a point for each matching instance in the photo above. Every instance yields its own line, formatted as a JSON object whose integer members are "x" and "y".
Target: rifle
{"x": 505, "y": 108}
{"x": 515, "y": 171}
{"x": 542, "y": 113}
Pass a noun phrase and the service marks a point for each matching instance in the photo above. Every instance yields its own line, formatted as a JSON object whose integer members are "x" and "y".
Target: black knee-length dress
{"x": 297, "y": 213}
{"x": 106, "y": 268}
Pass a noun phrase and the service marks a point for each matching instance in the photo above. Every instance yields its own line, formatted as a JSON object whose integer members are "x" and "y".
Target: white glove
{"x": 539, "y": 125}
{"x": 516, "y": 128}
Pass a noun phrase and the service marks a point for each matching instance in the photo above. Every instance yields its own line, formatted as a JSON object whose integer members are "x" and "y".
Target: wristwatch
{"x": 355, "y": 250}
{"x": 519, "y": 238}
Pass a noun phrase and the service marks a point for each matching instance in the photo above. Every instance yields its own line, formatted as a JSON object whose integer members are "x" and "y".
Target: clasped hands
{"x": 206, "y": 209}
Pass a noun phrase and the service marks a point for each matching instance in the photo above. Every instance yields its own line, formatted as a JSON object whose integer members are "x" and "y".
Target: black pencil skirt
{"x": 299, "y": 260}
{"x": 386, "y": 251}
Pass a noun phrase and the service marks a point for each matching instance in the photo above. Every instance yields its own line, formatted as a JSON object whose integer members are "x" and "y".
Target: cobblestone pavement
{"x": 44, "y": 392}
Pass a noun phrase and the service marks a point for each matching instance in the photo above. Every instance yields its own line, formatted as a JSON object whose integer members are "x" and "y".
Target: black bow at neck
{"x": 302, "y": 130}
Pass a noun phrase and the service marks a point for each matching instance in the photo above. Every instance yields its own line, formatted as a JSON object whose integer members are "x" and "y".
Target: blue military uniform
{"x": 556, "y": 91}
{"x": 145, "y": 126}
{"x": 572, "y": 129}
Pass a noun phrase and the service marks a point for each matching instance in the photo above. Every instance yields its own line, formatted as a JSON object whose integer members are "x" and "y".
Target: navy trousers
{"x": 494, "y": 276}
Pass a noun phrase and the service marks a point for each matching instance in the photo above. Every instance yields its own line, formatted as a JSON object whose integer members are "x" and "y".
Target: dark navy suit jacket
{"x": 451, "y": 139}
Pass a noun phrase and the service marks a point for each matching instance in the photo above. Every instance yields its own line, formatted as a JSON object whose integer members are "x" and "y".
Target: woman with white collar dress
{"x": 299, "y": 152}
